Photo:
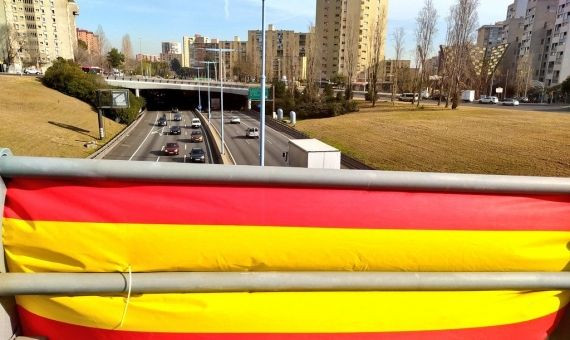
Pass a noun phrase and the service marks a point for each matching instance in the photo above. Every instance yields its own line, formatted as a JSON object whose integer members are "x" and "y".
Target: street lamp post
{"x": 208, "y": 74}
{"x": 220, "y": 50}
{"x": 262, "y": 113}
{"x": 199, "y": 92}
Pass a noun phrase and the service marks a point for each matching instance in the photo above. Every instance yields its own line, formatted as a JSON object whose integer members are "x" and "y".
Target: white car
{"x": 252, "y": 133}
{"x": 235, "y": 120}
{"x": 488, "y": 100}
{"x": 408, "y": 97}
{"x": 32, "y": 70}
{"x": 196, "y": 124}
{"x": 511, "y": 102}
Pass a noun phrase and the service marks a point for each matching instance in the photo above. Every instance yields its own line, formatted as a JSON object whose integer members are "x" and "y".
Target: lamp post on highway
{"x": 199, "y": 93}
{"x": 262, "y": 111}
{"x": 208, "y": 74}
{"x": 221, "y": 61}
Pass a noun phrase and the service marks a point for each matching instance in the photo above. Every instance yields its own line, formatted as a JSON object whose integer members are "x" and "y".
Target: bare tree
{"x": 12, "y": 46}
{"x": 463, "y": 24}
{"x": 127, "y": 50}
{"x": 377, "y": 48}
{"x": 104, "y": 46}
{"x": 350, "y": 56}
{"x": 398, "y": 36}
{"x": 426, "y": 29}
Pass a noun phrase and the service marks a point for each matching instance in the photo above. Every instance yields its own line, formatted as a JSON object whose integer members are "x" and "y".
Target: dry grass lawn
{"x": 482, "y": 140}
{"x": 38, "y": 121}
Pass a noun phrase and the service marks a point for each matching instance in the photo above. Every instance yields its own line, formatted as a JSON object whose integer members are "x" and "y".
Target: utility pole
{"x": 140, "y": 52}
{"x": 262, "y": 113}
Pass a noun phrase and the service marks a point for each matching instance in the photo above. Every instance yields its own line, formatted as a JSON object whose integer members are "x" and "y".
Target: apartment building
{"x": 286, "y": 53}
{"x": 345, "y": 28}
{"x": 171, "y": 51}
{"x": 91, "y": 40}
{"x": 235, "y": 61}
{"x": 489, "y": 36}
{"x": 187, "y": 43}
{"x": 558, "y": 60}
{"x": 42, "y": 30}
{"x": 147, "y": 57}
{"x": 537, "y": 37}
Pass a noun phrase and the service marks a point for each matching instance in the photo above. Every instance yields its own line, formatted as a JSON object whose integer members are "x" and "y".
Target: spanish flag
{"x": 81, "y": 225}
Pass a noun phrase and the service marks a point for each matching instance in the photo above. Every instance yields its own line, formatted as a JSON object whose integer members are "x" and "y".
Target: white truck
{"x": 468, "y": 96}
{"x": 313, "y": 154}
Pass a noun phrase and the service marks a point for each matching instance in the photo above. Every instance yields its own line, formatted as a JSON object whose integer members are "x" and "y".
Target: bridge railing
{"x": 179, "y": 81}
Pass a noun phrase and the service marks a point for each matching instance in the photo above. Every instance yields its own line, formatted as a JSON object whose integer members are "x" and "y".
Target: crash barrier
{"x": 126, "y": 250}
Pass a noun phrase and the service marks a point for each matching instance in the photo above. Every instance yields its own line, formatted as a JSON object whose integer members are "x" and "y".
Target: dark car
{"x": 175, "y": 130}
{"x": 162, "y": 121}
{"x": 177, "y": 117}
{"x": 197, "y": 137}
{"x": 171, "y": 149}
{"x": 175, "y": 110}
{"x": 197, "y": 155}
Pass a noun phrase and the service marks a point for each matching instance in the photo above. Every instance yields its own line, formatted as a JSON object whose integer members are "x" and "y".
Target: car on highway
{"x": 408, "y": 97}
{"x": 172, "y": 149}
{"x": 196, "y": 124}
{"x": 175, "y": 130}
{"x": 162, "y": 121}
{"x": 252, "y": 133}
{"x": 175, "y": 110}
{"x": 177, "y": 117}
{"x": 196, "y": 137}
{"x": 511, "y": 102}
{"x": 197, "y": 155}
{"x": 235, "y": 120}
{"x": 488, "y": 100}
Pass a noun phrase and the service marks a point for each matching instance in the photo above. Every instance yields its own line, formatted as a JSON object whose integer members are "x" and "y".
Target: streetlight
{"x": 220, "y": 50}
{"x": 262, "y": 113}
{"x": 199, "y": 93}
{"x": 208, "y": 73}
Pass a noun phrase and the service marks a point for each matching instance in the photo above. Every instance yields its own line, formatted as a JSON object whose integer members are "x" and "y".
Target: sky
{"x": 150, "y": 22}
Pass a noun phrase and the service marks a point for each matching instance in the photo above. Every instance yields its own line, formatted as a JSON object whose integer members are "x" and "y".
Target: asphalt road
{"x": 146, "y": 142}
{"x": 246, "y": 151}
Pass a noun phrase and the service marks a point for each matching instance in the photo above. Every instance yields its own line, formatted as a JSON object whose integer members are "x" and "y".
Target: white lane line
{"x": 184, "y": 158}
{"x": 158, "y": 159}
{"x": 162, "y": 149}
{"x": 185, "y": 145}
{"x": 149, "y": 133}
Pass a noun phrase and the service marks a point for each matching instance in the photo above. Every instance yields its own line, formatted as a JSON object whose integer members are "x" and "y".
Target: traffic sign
{"x": 255, "y": 93}
{"x": 499, "y": 90}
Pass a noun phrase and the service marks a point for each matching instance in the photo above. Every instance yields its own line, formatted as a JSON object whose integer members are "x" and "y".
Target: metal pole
{"x": 15, "y": 166}
{"x": 216, "y": 282}
{"x": 209, "y": 105}
{"x": 222, "y": 101}
{"x": 140, "y": 51}
{"x": 199, "y": 93}
{"x": 101, "y": 126}
{"x": 262, "y": 111}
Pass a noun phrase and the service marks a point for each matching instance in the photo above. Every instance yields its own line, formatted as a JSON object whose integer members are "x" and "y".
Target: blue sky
{"x": 168, "y": 20}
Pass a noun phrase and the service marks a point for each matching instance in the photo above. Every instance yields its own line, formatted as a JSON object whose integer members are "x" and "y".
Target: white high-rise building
{"x": 558, "y": 56}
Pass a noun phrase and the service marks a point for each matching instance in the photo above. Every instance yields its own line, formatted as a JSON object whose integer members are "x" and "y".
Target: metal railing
{"x": 99, "y": 283}
{"x": 213, "y": 83}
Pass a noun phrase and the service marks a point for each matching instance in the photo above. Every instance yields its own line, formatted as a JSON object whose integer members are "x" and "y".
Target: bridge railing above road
{"x": 213, "y": 83}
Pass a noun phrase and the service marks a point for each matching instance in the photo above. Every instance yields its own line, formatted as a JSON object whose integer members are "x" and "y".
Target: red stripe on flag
{"x": 138, "y": 202}
{"x": 539, "y": 329}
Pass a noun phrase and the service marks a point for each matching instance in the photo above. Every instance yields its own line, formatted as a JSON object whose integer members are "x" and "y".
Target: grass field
{"x": 483, "y": 140}
{"x": 38, "y": 121}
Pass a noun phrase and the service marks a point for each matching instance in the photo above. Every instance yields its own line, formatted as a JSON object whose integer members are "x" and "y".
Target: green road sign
{"x": 255, "y": 93}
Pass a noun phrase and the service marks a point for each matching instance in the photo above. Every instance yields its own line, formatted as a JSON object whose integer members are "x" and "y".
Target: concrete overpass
{"x": 139, "y": 83}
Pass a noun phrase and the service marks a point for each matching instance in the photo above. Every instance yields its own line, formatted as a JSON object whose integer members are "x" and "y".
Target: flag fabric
{"x": 80, "y": 225}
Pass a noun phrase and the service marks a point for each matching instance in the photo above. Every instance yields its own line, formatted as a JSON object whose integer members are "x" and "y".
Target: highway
{"x": 246, "y": 151}
{"x": 146, "y": 142}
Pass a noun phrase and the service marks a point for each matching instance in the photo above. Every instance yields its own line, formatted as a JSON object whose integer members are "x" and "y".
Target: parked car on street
{"x": 171, "y": 149}
{"x": 511, "y": 102}
{"x": 488, "y": 100}
{"x": 408, "y": 97}
{"x": 252, "y": 133}
{"x": 197, "y": 155}
{"x": 32, "y": 70}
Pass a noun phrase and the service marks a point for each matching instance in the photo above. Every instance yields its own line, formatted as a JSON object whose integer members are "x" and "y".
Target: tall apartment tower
{"x": 538, "y": 28}
{"x": 344, "y": 27}
{"x": 558, "y": 61}
{"x": 42, "y": 30}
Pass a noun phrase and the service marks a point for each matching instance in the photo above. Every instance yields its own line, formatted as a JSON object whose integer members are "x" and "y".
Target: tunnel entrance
{"x": 164, "y": 100}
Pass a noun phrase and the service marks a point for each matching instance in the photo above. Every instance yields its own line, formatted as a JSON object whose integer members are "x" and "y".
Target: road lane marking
{"x": 149, "y": 133}
{"x": 158, "y": 159}
{"x": 185, "y": 145}
{"x": 184, "y": 158}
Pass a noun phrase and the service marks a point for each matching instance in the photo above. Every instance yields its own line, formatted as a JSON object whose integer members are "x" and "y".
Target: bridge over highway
{"x": 138, "y": 83}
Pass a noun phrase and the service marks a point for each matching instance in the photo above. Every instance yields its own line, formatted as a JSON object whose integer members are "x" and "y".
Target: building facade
{"x": 286, "y": 54}
{"x": 41, "y": 30}
{"x": 91, "y": 40}
{"x": 236, "y": 66}
{"x": 346, "y": 31}
{"x": 558, "y": 61}
{"x": 489, "y": 36}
